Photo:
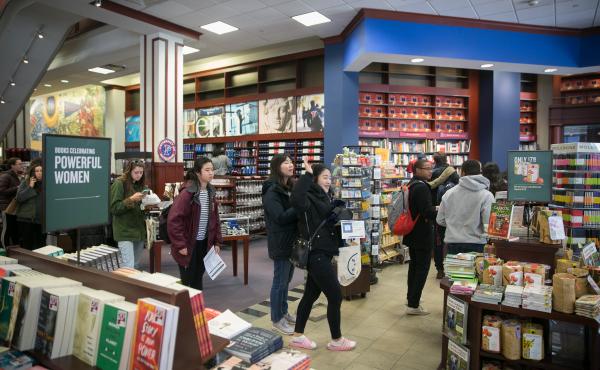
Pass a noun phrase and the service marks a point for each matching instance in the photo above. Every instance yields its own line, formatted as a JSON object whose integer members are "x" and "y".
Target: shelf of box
{"x": 411, "y": 106}
{"x": 387, "y": 134}
{"x": 572, "y": 171}
{"x": 586, "y": 89}
{"x": 459, "y": 153}
{"x": 545, "y": 363}
{"x": 527, "y": 138}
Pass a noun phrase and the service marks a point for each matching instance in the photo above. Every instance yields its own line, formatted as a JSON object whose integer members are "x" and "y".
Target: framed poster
{"x": 530, "y": 176}
{"x": 189, "y": 123}
{"x": 76, "y": 182}
{"x": 132, "y": 129}
{"x": 210, "y": 122}
{"x": 277, "y": 116}
{"x": 241, "y": 119}
{"x": 310, "y": 115}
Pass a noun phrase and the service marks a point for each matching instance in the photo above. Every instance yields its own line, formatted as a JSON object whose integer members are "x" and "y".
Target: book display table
{"x": 245, "y": 239}
{"x": 530, "y": 250}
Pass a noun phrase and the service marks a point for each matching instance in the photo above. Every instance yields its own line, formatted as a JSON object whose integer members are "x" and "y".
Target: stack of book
{"x": 463, "y": 287}
{"x": 15, "y": 360}
{"x": 588, "y": 306}
{"x": 286, "y": 359}
{"x": 254, "y": 344}
{"x": 227, "y": 325}
{"x": 490, "y": 294}
{"x": 513, "y": 296}
{"x": 11, "y": 269}
{"x": 101, "y": 257}
{"x": 50, "y": 250}
{"x": 460, "y": 266}
{"x": 537, "y": 298}
{"x": 8, "y": 261}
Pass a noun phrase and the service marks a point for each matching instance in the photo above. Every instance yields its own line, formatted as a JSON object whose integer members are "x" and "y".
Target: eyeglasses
{"x": 426, "y": 168}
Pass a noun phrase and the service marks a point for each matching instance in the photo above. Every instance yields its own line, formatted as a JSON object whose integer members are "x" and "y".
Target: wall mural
{"x": 242, "y": 118}
{"x": 210, "y": 122}
{"x": 277, "y": 116}
{"x": 311, "y": 113}
{"x": 132, "y": 129}
{"x": 78, "y": 112}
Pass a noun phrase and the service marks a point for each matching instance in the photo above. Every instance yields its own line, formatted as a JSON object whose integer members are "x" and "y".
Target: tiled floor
{"x": 387, "y": 337}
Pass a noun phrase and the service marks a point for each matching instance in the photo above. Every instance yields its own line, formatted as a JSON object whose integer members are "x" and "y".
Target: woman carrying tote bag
{"x": 312, "y": 198}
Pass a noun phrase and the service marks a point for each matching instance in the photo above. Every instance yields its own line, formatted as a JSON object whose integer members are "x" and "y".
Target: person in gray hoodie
{"x": 465, "y": 209}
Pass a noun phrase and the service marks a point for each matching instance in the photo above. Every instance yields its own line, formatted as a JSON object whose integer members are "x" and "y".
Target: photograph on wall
{"x": 189, "y": 123}
{"x": 277, "y": 116}
{"x": 210, "y": 122}
{"x": 78, "y": 112}
{"x": 310, "y": 116}
{"x": 132, "y": 129}
{"x": 530, "y": 175}
{"x": 241, "y": 119}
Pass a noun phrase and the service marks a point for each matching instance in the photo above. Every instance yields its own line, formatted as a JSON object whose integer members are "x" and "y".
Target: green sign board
{"x": 530, "y": 176}
{"x": 76, "y": 182}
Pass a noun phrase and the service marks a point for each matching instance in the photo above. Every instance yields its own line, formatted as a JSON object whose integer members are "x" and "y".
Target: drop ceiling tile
{"x": 197, "y": 4}
{"x": 267, "y": 14}
{"x": 460, "y": 12}
{"x": 481, "y": 2}
{"x": 371, "y": 4}
{"x": 524, "y": 4}
{"x": 193, "y": 20}
{"x": 420, "y": 7}
{"x": 580, "y": 19}
{"x": 496, "y": 7}
{"x": 546, "y": 21}
{"x": 441, "y": 5}
{"x": 244, "y": 6}
{"x": 323, "y": 4}
{"x": 335, "y": 10}
{"x": 241, "y": 21}
{"x": 293, "y": 8}
{"x": 574, "y": 6}
{"x": 273, "y": 2}
{"x": 401, "y": 3}
{"x": 168, "y": 10}
{"x": 501, "y": 17}
{"x": 545, "y": 11}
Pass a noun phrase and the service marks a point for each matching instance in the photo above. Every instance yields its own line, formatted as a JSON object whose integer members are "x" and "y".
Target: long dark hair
{"x": 192, "y": 175}
{"x": 276, "y": 175}
{"x": 31, "y": 173}
{"x": 126, "y": 178}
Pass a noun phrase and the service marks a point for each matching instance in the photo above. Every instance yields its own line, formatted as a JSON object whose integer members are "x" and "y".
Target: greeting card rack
{"x": 187, "y": 354}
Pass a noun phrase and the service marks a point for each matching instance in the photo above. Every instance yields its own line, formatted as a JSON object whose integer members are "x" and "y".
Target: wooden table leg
{"x": 246, "y": 252}
{"x": 234, "y": 256}
{"x": 152, "y": 253}
{"x": 155, "y": 256}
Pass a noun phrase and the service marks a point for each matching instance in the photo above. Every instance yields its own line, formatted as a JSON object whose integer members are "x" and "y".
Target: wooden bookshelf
{"x": 187, "y": 353}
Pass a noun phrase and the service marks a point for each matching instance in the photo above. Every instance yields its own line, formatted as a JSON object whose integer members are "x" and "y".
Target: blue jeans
{"x": 282, "y": 275}
{"x": 131, "y": 252}
{"x": 455, "y": 248}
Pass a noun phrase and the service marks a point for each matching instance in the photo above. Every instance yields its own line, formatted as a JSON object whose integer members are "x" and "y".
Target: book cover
{"x": 457, "y": 357}
{"x": 46, "y": 327}
{"x": 455, "y": 322}
{"x": 285, "y": 359}
{"x": 228, "y": 325}
{"x": 116, "y": 336}
{"x": 149, "y": 336}
{"x": 500, "y": 221}
{"x": 15, "y": 360}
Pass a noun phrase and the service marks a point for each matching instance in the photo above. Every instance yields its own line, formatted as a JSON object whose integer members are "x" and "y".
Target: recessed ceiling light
{"x": 13, "y": 83}
{"x": 550, "y": 70}
{"x": 487, "y": 65}
{"x": 101, "y": 70}
{"x": 417, "y": 60}
{"x": 64, "y": 81}
{"x": 25, "y": 60}
{"x": 219, "y": 27}
{"x": 2, "y": 101}
{"x": 47, "y": 85}
{"x": 40, "y": 35}
{"x": 98, "y": 3}
{"x": 189, "y": 50}
{"x": 312, "y": 18}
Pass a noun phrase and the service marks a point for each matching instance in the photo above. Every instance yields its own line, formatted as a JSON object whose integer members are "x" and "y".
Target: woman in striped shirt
{"x": 193, "y": 223}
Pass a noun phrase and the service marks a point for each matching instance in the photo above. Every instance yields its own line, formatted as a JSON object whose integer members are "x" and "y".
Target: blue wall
{"x": 499, "y": 100}
{"x": 341, "y": 103}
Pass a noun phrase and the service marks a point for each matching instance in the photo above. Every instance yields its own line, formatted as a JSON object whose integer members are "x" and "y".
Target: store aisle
{"x": 387, "y": 338}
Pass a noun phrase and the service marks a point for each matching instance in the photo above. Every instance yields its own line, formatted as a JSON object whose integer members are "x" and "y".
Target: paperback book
{"x": 455, "y": 322}
{"x": 228, "y": 325}
{"x": 458, "y": 356}
{"x": 500, "y": 223}
{"x": 116, "y": 336}
{"x": 254, "y": 344}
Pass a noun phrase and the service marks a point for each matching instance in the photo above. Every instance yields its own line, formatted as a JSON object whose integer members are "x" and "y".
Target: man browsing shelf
{"x": 465, "y": 209}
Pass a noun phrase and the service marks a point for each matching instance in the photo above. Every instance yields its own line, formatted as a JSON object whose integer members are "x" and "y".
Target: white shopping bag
{"x": 349, "y": 263}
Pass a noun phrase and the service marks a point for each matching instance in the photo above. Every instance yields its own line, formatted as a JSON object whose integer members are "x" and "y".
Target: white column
{"x": 161, "y": 93}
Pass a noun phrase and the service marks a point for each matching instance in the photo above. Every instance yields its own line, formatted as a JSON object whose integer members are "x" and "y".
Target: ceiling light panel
{"x": 219, "y": 27}
{"x": 101, "y": 70}
{"x": 311, "y": 19}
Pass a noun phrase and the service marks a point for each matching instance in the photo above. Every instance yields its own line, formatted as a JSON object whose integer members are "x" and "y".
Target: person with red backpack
{"x": 420, "y": 239}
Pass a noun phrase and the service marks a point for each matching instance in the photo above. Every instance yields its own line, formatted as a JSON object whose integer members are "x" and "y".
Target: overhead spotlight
{"x": 2, "y": 101}
{"x": 417, "y": 60}
{"x": 64, "y": 81}
{"x": 550, "y": 70}
{"x": 98, "y": 3}
{"x": 487, "y": 65}
{"x": 13, "y": 83}
{"x": 25, "y": 60}
{"x": 40, "y": 35}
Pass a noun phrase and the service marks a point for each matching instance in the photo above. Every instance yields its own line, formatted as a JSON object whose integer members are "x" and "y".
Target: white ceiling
{"x": 267, "y": 22}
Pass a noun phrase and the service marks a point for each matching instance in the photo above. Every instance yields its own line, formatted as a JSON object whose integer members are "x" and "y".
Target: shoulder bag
{"x": 301, "y": 247}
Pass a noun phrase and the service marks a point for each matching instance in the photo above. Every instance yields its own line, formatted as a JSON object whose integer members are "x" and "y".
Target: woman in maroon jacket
{"x": 193, "y": 223}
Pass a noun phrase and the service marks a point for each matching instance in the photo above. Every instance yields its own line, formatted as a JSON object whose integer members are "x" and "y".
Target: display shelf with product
{"x": 528, "y": 120}
{"x": 241, "y": 196}
{"x": 186, "y": 350}
{"x": 576, "y": 190}
{"x": 580, "y": 89}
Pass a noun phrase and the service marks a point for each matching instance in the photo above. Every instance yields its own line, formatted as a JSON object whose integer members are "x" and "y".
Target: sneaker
{"x": 416, "y": 311}
{"x": 440, "y": 275}
{"x": 283, "y": 327}
{"x": 302, "y": 342}
{"x": 342, "y": 344}
{"x": 291, "y": 319}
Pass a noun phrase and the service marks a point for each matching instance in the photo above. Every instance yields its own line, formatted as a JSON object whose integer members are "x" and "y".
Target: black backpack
{"x": 163, "y": 231}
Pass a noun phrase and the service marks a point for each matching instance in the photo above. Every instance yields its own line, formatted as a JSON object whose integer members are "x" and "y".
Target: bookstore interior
{"x": 343, "y": 91}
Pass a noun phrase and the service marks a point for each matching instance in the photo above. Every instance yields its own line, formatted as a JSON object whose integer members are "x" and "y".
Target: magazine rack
{"x": 187, "y": 354}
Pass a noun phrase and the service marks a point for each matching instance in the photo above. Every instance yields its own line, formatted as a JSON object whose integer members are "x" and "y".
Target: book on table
{"x": 116, "y": 335}
{"x": 254, "y": 344}
{"x": 458, "y": 356}
{"x": 228, "y": 325}
{"x": 455, "y": 322}
{"x": 500, "y": 223}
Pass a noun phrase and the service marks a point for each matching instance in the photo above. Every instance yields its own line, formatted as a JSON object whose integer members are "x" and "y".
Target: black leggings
{"x": 192, "y": 275}
{"x": 321, "y": 278}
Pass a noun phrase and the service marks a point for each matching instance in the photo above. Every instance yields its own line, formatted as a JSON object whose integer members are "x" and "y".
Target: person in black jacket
{"x": 312, "y": 198}
{"x": 443, "y": 178}
{"x": 420, "y": 239}
{"x": 281, "y": 225}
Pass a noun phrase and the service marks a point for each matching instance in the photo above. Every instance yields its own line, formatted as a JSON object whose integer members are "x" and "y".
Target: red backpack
{"x": 400, "y": 219}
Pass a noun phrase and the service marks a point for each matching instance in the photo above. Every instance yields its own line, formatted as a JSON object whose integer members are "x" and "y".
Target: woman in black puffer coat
{"x": 281, "y": 225}
{"x": 312, "y": 198}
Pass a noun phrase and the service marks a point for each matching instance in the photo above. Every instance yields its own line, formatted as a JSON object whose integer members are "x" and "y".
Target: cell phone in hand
{"x": 146, "y": 191}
